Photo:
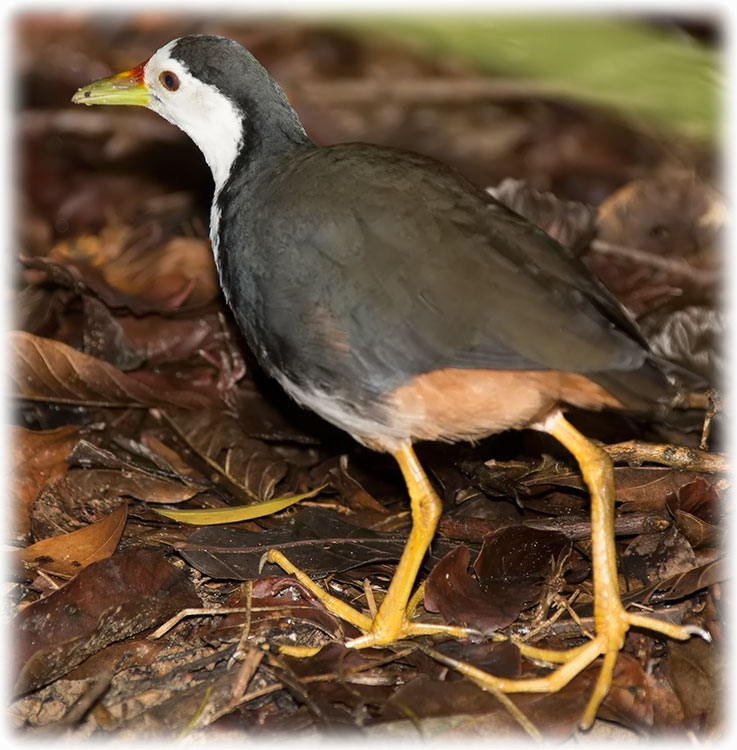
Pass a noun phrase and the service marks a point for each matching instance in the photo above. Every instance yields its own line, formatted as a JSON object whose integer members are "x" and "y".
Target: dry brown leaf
{"x": 94, "y": 250}
{"x": 162, "y": 339}
{"x": 650, "y": 558}
{"x": 67, "y": 554}
{"x": 642, "y": 488}
{"x": 697, "y": 511}
{"x": 572, "y": 223}
{"x": 682, "y": 584}
{"x": 183, "y": 263}
{"x": 459, "y": 598}
{"x": 250, "y": 469}
{"x": 47, "y": 370}
{"x": 314, "y": 539}
{"x": 139, "y": 272}
{"x": 110, "y": 474}
{"x": 169, "y": 455}
{"x": 698, "y": 674}
{"x": 136, "y": 483}
{"x": 108, "y": 601}
{"x": 37, "y": 460}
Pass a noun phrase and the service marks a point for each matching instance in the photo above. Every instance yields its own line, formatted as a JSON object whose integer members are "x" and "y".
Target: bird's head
{"x": 211, "y": 88}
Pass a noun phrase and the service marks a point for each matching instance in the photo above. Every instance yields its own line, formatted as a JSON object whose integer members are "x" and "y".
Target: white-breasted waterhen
{"x": 401, "y": 302}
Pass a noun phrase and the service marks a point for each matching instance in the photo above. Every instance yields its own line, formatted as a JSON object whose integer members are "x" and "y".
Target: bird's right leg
{"x": 392, "y": 622}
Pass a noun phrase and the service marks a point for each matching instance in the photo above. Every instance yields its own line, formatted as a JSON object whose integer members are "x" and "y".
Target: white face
{"x": 210, "y": 119}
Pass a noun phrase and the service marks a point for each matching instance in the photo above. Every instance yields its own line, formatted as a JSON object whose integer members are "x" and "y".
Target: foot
{"x": 379, "y": 631}
{"x": 607, "y": 642}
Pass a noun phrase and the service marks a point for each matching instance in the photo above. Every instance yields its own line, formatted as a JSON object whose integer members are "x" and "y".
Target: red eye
{"x": 169, "y": 80}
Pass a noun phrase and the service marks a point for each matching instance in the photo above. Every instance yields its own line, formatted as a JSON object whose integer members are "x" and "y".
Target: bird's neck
{"x": 266, "y": 142}
{"x": 230, "y": 138}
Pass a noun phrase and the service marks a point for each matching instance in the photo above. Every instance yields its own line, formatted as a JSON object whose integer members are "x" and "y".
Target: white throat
{"x": 208, "y": 117}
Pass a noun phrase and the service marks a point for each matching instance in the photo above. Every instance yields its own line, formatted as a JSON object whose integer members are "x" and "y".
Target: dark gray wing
{"x": 413, "y": 268}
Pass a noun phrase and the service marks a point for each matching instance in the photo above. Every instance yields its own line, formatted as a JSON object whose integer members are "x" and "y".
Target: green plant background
{"x": 654, "y": 73}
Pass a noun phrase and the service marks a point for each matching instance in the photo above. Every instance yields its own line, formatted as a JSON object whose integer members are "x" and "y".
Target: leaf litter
{"x": 134, "y": 392}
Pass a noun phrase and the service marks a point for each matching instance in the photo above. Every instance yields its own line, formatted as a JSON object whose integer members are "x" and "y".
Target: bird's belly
{"x": 453, "y": 404}
{"x": 366, "y": 419}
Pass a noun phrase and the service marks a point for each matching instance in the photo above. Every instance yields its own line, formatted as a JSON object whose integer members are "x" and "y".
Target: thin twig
{"x": 347, "y": 676}
{"x": 85, "y": 702}
{"x": 675, "y": 266}
{"x": 247, "y": 596}
{"x": 675, "y": 456}
{"x": 370, "y": 601}
{"x": 487, "y": 686}
{"x": 475, "y": 529}
{"x": 194, "y": 612}
{"x": 715, "y": 405}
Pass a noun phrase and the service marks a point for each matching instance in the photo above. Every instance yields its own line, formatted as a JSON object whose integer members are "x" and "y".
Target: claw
{"x": 264, "y": 559}
{"x": 696, "y": 630}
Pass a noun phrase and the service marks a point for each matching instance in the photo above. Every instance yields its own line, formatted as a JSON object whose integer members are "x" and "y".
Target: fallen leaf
{"x": 517, "y": 554}
{"x": 47, "y": 370}
{"x": 501, "y": 658}
{"x": 510, "y": 570}
{"x": 179, "y": 274}
{"x": 680, "y": 585}
{"x": 451, "y": 591}
{"x": 134, "y": 653}
{"x": 234, "y": 514}
{"x": 651, "y": 558}
{"x": 67, "y": 554}
{"x": 671, "y": 213}
{"x": 629, "y": 701}
{"x": 353, "y": 494}
{"x": 166, "y": 456}
{"x": 673, "y": 217}
{"x": 104, "y": 337}
{"x": 37, "y": 459}
{"x": 696, "y": 508}
{"x": 117, "y": 476}
{"x": 135, "y": 270}
{"x": 690, "y": 336}
{"x": 699, "y": 498}
{"x": 315, "y": 540}
{"x": 425, "y": 697}
{"x": 108, "y": 601}
{"x": 160, "y": 339}
{"x": 275, "y": 599}
{"x": 248, "y": 468}
{"x": 697, "y": 673}
{"x": 37, "y": 308}
{"x": 642, "y": 488}
{"x": 140, "y": 485}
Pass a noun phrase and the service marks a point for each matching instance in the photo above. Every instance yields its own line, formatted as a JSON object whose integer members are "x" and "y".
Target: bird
{"x": 402, "y": 303}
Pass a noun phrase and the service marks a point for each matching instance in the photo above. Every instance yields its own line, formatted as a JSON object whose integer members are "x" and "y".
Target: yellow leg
{"x": 392, "y": 622}
{"x": 611, "y": 621}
